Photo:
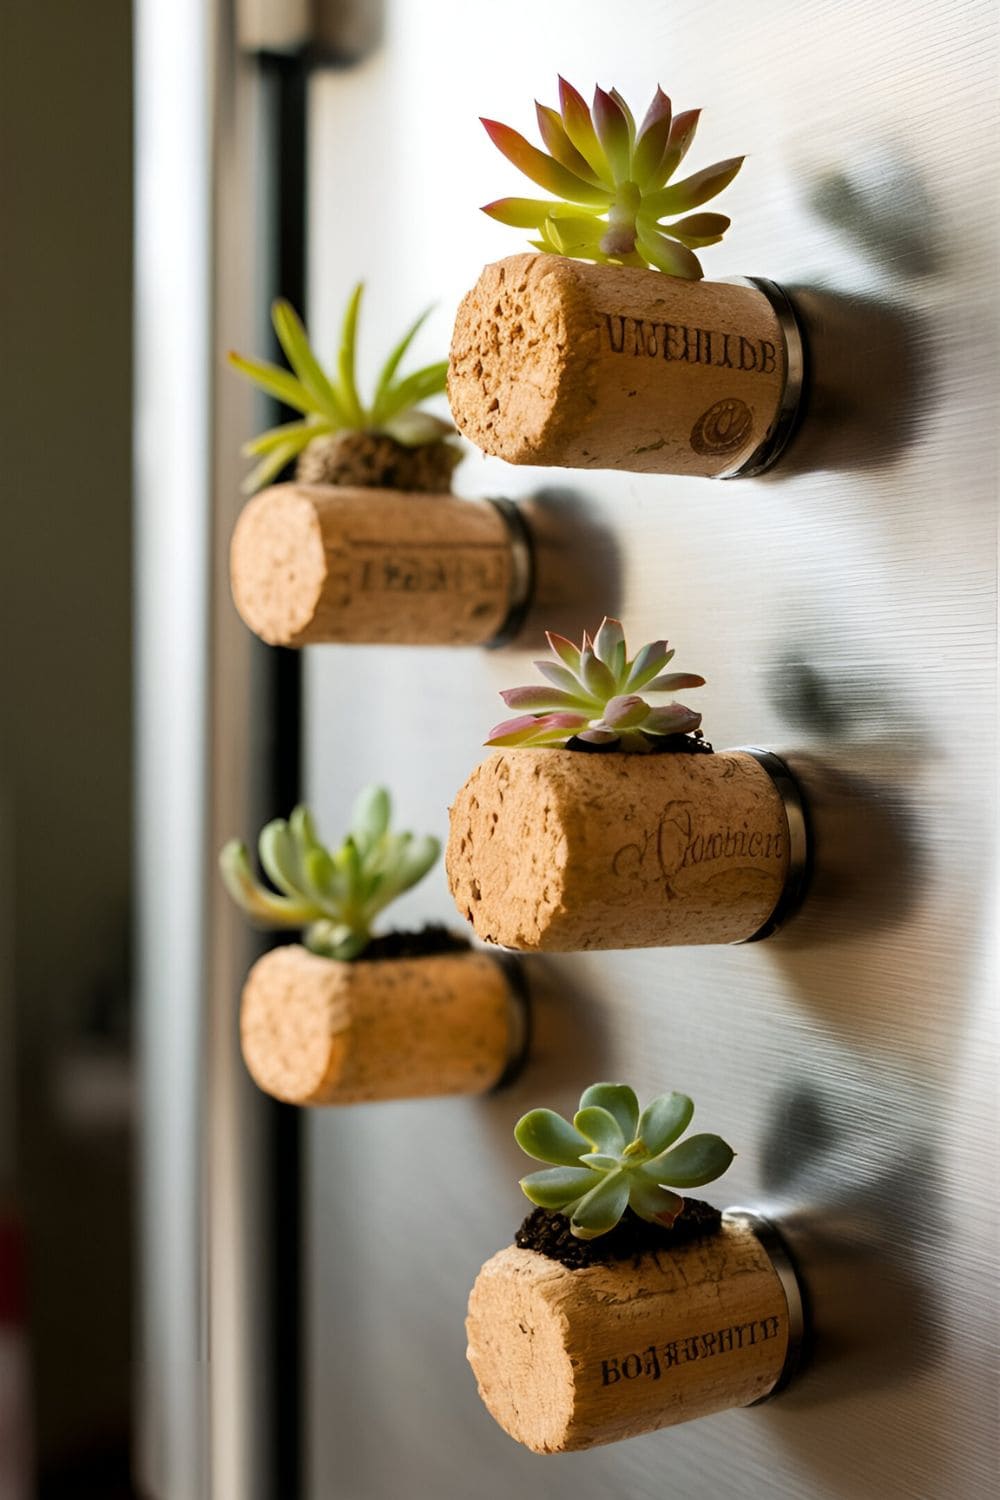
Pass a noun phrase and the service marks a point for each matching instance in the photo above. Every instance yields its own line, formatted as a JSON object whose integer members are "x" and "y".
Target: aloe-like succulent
{"x": 594, "y": 696}
{"x": 612, "y": 1158}
{"x": 334, "y": 896}
{"x": 613, "y": 178}
{"x": 330, "y": 403}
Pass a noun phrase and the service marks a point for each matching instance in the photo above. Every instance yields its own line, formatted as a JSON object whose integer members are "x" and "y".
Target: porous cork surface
{"x": 569, "y": 1359}
{"x": 374, "y": 460}
{"x": 318, "y": 1031}
{"x": 557, "y": 361}
{"x": 312, "y": 563}
{"x": 549, "y": 1233}
{"x": 550, "y": 850}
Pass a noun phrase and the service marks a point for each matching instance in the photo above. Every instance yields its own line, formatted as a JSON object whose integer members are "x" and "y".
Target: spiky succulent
{"x": 593, "y": 696}
{"x": 613, "y": 178}
{"x": 612, "y": 1158}
{"x": 334, "y": 896}
{"x": 331, "y": 403}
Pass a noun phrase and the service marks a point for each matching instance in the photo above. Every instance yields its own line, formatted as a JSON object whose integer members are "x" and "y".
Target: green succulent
{"x": 593, "y": 696}
{"x": 334, "y": 896}
{"x": 613, "y": 178}
{"x": 612, "y": 1158}
{"x": 330, "y": 403}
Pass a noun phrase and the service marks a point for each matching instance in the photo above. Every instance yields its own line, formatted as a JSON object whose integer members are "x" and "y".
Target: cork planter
{"x": 558, "y": 850}
{"x": 571, "y": 1358}
{"x": 312, "y": 564}
{"x": 561, "y": 362}
{"x": 316, "y": 1030}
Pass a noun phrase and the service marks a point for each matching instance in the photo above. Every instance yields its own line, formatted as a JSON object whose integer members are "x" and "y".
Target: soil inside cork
{"x": 632, "y": 1238}
{"x": 432, "y": 939}
{"x": 659, "y": 744}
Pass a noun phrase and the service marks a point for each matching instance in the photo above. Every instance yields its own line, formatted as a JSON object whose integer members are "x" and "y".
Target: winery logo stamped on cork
{"x": 724, "y": 428}
{"x": 657, "y": 1358}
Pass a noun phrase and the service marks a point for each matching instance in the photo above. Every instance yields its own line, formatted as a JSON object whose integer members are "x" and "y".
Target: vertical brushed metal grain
{"x": 842, "y": 609}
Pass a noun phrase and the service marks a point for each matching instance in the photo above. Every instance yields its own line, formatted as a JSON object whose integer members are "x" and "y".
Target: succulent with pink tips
{"x": 613, "y": 178}
{"x": 593, "y": 695}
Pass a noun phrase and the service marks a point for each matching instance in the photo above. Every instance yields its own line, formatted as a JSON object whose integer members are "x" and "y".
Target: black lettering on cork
{"x": 646, "y": 338}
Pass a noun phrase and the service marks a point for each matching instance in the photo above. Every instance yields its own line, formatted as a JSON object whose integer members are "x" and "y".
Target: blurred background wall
{"x": 65, "y": 725}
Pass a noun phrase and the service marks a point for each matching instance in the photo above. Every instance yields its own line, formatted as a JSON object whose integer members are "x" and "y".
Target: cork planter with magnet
{"x": 348, "y": 1017}
{"x": 604, "y": 823}
{"x": 368, "y": 545}
{"x": 632, "y": 362}
{"x": 621, "y": 1307}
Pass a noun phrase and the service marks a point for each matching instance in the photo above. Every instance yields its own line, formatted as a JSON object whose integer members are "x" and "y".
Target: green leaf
{"x": 419, "y": 429}
{"x": 699, "y": 1159}
{"x": 655, "y": 1204}
{"x": 261, "y": 905}
{"x": 544, "y": 170}
{"x": 574, "y": 235}
{"x": 663, "y": 1121}
{"x": 370, "y": 815}
{"x": 612, "y": 125}
{"x": 668, "y": 256}
{"x": 295, "y": 344}
{"x": 278, "y": 383}
{"x": 299, "y": 433}
{"x": 322, "y": 879}
{"x": 609, "y": 643}
{"x": 601, "y": 1128}
{"x": 601, "y": 1208}
{"x": 558, "y": 144}
{"x": 557, "y": 1187}
{"x": 388, "y": 371}
{"x": 272, "y": 466}
{"x": 690, "y": 193}
{"x": 580, "y": 129}
{"x": 565, "y": 650}
{"x": 279, "y": 856}
{"x": 430, "y": 381}
{"x": 647, "y": 663}
{"x": 347, "y": 390}
{"x": 520, "y": 213}
{"x": 619, "y": 1100}
{"x": 546, "y": 1136}
{"x": 597, "y": 678}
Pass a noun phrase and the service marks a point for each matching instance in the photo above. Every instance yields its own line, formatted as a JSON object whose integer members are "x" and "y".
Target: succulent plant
{"x": 593, "y": 696}
{"x": 613, "y": 178}
{"x": 334, "y": 896}
{"x": 331, "y": 404}
{"x": 612, "y": 1158}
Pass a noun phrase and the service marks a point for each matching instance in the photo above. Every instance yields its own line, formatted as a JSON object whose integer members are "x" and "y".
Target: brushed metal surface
{"x": 841, "y": 609}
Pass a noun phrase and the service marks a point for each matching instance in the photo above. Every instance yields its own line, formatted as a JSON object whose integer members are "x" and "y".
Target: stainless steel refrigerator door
{"x": 842, "y": 612}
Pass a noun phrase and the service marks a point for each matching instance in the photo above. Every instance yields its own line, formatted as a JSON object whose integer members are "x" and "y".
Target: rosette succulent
{"x": 334, "y": 896}
{"x": 593, "y": 695}
{"x": 614, "y": 180}
{"x": 336, "y": 440}
{"x": 612, "y": 1158}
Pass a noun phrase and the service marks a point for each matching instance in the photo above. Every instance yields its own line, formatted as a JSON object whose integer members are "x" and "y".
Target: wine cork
{"x": 559, "y": 851}
{"x": 569, "y": 1359}
{"x": 557, "y": 361}
{"x": 312, "y": 564}
{"x": 320, "y": 1031}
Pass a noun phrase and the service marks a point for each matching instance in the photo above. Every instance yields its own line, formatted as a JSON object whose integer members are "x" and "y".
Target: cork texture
{"x": 560, "y": 851}
{"x": 571, "y": 1359}
{"x": 317, "y": 1031}
{"x": 557, "y": 361}
{"x": 311, "y": 564}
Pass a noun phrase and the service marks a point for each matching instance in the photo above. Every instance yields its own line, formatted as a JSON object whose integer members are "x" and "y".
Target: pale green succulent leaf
{"x": 601, "y": 1128}
{"x": 546, "y": 1136}
{"x": 272, "y": 466}
{"x": 279, "y": 856}
{"x": 260, "y": 904}
{"x": 619, "y": 1100}
{"x": 699, "y": 1159}
{"x": 299, "y": 433}
{"x": 417, "y": 429}
{"x": 557, "y": 1187}
{"x": 370, "y": 816}
{"x": 347, "y": 390}
{"x": 600, "y": 1209}
{"x": 647, "y": 664}
{"x": 655, "y": 1204}
{"x": 663, "y": 1121}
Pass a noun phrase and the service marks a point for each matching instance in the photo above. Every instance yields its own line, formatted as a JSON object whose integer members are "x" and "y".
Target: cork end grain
{"x": 519, "y": 364}
{"x": 318, "y": 1031}
{"x": 278, "y": 565}
{"x": 551, "y": 850}
{"x": 568, "y": 1359}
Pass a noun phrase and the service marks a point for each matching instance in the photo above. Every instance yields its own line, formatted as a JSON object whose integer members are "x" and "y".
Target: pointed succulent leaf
{"x": 564, "y": 649}
{"x": 619, "y": 1100}
{"x": 278, "y": 459}
{"x": 647, "y": 664}
{"x": 519, "y": 213}
{"x": 627, "y": 112}
{"x": 277, "y": 382}
{"x": 548, "y": 729}
{"x": 573, "y": 236}
{"x": 655, "y": 1204}
{"x": 347, "y": 390}
{"x": 609, "y": 638}
{"x": 546, "y": 1136}
{"x": 601, "y": 1208}
{"x": 562, "y": 677}
{"x": 557, "y": 142}
{"x": 301, "y": 434}
{"x": 611, "y": 125}
{"x": 396, "y": 355}
{"x": 543, "y": 169}
{"x": 699, "y": 229}
{"x": 682, "y": 133}
{"x": 543, "y": 699}
{"x": 597, "y": 678}
{"x": 690, "y": 193}
{"x": 651, "y": 142}
{"x": 668, "y": 256}
{"x": 557, "y": 1187}
{"x": 370, "y": 816}
{"x": 261, "y": 905}
{"x": 627, "y": 711}
{"x": 430, "y": 381}
{"x": 297, "y": 350}
{"x": 672, "y": 682}
{"x": 663, "y": 1121}
{"x": 580, "y": 129}
{"x": 601, "y": 1128}
{"x": 699, "y": 1159}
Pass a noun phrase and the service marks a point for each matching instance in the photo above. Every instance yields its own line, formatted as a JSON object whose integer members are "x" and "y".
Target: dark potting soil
{"x": 434, "y": 938}
{"x": 632, "y": 1237}
{"x": 659, "y": 744}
